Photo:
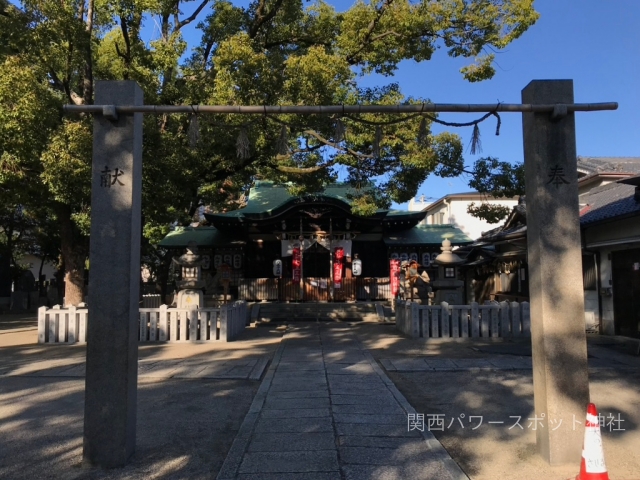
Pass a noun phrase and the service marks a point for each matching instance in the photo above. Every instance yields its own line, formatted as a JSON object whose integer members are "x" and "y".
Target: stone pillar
{"x": 560, "y": 375}
{"x": 112, "y": 336}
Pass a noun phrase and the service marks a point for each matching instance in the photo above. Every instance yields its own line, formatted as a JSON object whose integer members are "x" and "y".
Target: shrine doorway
{"x": 316, "y": 262}
{"x": 316, "y": 270}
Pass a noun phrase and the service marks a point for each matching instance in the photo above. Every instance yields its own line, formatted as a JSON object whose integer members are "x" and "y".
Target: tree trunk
{"x": 6, "y": 254}
{"x": 41, "y": 290}
{"x": 5, "y": 274}
{"x": 74, "y": 255}
{"x": 73, "y": 286}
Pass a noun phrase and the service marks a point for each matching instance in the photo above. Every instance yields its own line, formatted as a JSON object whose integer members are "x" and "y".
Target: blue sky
{"x": 594, "y": 42}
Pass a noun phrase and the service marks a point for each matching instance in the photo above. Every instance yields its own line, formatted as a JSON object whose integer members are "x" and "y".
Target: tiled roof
{"x": 427, "y": 235}
{"x": 203, "y": 236}
{"x": 594, "y": 165}
{"x": 609, "y": 201}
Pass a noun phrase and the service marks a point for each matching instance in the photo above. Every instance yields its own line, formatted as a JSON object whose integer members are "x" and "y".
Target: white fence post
{"x": 163, "y": 323}
{"x": 401, "y": 316}
{"x": 526, "y": 319}
{"x": 515, "y": 319}
{"x": 72, "y": 332}
{"x": 153, "y": 326}
{"x": 204, "y": 324}
{"x": 505, "y": 323}
{"x": 142, "y": 337}
{"x": 455, "y": 322}
{"x": 484, "y": 316}
{"x": 475, "y": 325}
{"x": 224, "y": 323}
{"x": 445, "y": 320}
{"x": 42, "y": 324}
{"x": 215, "y": 329}
{"x": 495, "y": 308}
{"x": 84, "y": 319}
{"x": 464, "y": 322}
{"x": 54, "y": 319}
{"x": 415, "y": 319}
{"x": 173, "y": 329}
{"x": 192, "y": 316}
{"x": 435, "y": 321}
{"x": 184, "y": 324}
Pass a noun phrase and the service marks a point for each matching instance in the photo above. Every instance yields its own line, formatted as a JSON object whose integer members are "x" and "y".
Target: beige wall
{"x": 49, "y": 268}
{"x": 456, "y": 214}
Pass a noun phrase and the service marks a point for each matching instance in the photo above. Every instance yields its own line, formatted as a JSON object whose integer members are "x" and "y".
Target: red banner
{"x": 296, "y": 264}
{"x": 394, "y": 276}
{"x": 338, "y": 262}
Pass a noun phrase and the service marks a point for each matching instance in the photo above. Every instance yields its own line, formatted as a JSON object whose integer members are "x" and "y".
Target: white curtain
{"x": 287, "y": 246}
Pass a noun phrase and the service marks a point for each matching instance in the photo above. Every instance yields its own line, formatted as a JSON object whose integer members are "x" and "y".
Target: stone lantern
{"x": 448, "y": 287}
{"x": 191, "y": 285}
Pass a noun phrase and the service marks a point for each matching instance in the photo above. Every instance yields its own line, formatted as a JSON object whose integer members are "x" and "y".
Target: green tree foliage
{"x": 497, "y": 179}
{"x": 269, "y": 52}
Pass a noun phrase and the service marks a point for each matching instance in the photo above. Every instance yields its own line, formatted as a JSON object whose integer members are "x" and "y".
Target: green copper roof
{"x": 267, "y": 199}
{"x": 203, "y": 236}
{"x": 427, "y": 235}
{"x": 265, "y": 196}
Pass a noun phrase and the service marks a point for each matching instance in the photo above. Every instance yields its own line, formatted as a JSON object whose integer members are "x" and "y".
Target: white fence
{"x": 464, "y": 321}
{"x": 152, "y": 300}
{"x": 162, "y": 324}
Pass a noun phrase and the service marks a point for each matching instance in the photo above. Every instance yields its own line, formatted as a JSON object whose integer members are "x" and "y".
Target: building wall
{"x": 456, "y": 214}
{"x": 625, "y": 230}
{"x": 591, "y": 308}
{"x": 49, "y": 268}
{"x": 624, "y": 234}
{"x": 606, "y": 282}
{"x": 418, "y": 204}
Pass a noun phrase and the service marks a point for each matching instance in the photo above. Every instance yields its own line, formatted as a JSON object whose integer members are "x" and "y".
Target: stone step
{"x": 317, "y": 311}
{"x": 318, "y": 306}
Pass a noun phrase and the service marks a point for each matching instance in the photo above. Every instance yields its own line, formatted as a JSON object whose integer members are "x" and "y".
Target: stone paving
{"x": 326, "y": 411}
{"x": 495, "y": 362}
{"x": 207, "y": 368}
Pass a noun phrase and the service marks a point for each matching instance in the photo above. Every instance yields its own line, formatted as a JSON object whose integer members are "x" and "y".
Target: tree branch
{"x": 262, "y": 18}
{"x": 127, "y": 41}
{"x": 207, "y": 52}
{"x": 319, "y": 137}
{"x": 57, "y": 84}
{"x": 87, "y": 86}
{"x": 353, "y": 57}
{"x": 288, "y": 41}
{"x": 302, "y": 170}
{"x": 190, "y": 19}
{"x": 366, "y": 41}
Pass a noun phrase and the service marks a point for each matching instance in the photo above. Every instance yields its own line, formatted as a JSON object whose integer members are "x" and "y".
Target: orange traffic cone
{"x": 592, "y": 466}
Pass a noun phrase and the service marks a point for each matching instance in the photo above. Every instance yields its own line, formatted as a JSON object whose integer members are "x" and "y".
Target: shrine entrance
{"x": 560, "y": 369}
{"x": 317, "y": 268}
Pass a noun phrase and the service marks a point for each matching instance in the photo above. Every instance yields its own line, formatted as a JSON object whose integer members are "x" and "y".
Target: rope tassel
{"x": 340, "y": 131}
{"x": 476, "y": 147}
{"x": 283, "y": 141}
{"x": 194, "y": 131}
{"x": 242, "y": 144}
{"x": 423, "y": 134}
{"x": 377, "y": 141}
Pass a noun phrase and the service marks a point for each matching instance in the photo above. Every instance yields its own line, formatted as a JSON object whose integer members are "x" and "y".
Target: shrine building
{"x": 310, "y": 248}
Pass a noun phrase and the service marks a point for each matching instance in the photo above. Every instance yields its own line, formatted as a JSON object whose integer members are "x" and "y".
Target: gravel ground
{"x": 494, "y": 451}
{"x": 185, "y": 428}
